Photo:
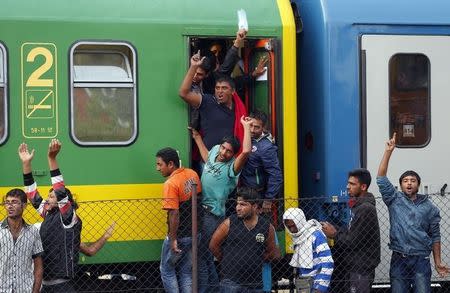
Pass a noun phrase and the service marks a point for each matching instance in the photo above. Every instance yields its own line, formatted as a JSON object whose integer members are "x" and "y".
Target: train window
{"x": 409, "y": 99}
{"x": 103, "y": 94}
{"x": 3, "y": 105}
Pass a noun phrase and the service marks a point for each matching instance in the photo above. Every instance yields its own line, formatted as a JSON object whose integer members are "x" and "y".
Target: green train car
{"x": 103, "y": 78}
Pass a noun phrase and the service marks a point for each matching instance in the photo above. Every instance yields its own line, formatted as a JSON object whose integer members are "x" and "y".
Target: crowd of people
{"x": 42, "y": 259}
{"x": 237, "y": 158}
{"x": 237, "y": 151}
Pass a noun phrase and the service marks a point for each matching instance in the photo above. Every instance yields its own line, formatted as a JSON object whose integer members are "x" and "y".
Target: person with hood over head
{"x": 359, "y": 242}
{"x": 312, "y": 255}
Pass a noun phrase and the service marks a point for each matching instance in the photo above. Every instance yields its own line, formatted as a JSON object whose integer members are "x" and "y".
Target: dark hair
{"x": 363, "y": 176}
{"x": 248, "y": 194}
{"x": 169, "y": 155}
{"x": 227, "y": 79}
{"x": 207, "y": 62}
{"x": 409, "y": 173}
{"x": 69, "y": 195}
{"x": 235, "y": 144}
{"x": 19, "y": 193}
{"x": 259, "y": 115}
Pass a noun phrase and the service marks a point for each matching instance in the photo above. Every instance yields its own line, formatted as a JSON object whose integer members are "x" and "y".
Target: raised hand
{"x": 25, "y": 155}
{"x": 109, "y": 231}
{"x": 260, "y": 68}
{"x": 390, "y": 144}
{"x": 246, "y": 121}
{"x": 196, "y": 59}
{"x": 53, "y": 148}
{"x": 240, "y": 37}
{"x": 195, "y": 133}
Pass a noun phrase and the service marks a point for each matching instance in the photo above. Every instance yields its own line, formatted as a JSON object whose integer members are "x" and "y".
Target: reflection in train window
{"x": 409, "y": 99}
{"x": 103, "y": 100}
{"x": 3, "y": 105}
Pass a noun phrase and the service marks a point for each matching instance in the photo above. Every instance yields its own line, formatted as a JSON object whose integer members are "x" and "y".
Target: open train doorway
{"x": 253, "y": 66}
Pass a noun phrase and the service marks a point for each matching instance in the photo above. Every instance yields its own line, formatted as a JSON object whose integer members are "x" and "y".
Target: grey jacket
{"x": 414, "y": 226}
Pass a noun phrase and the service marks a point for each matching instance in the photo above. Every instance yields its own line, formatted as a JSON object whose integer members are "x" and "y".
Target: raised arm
{"x": 92, "y": 248}
{"x": 219, "y": 236}
{"x": 28, "y": 181}
{"x": 246, "y": 146}
{"x": 390, "y": 146}
{"x": 232, "y": 56}
{"x": 200, "y": 144}
{"x": 62, "y": 194}
{"x": 185, "y": 92}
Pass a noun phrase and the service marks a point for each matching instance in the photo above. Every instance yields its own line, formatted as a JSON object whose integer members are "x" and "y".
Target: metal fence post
{"x": 194, "y": 239}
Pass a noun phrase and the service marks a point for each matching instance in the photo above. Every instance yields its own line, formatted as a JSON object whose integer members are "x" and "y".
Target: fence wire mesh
{"x": 134, "y": 231}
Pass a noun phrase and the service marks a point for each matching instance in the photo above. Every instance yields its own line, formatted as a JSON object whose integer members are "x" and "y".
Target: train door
{"x": 256, "y": 92}
{"x": 262, "y": 92}
{"x": 405, "y": 80}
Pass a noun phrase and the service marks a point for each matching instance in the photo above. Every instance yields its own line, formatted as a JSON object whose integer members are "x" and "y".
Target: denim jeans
{"x": 176, "y": 269}
{"x": 410, "y": 271}
{"x": 361, "y": 283}
{"x": 208, "y": 279}
{"x": 66, "y": 287}
{"x": 229, "y": 286}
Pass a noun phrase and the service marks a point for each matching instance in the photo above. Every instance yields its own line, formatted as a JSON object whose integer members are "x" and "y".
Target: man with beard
{"x": 20, "y": 246}
{"x": 241, "y": 243}
{"x": 414, "y": 231}
{"x": 60, "y": 231}
{"x": 359, "y": 242}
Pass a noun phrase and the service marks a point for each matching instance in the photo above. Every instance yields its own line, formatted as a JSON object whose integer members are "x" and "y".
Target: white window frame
{"x": 4, "y": 84}
{"x": 102, "y": 83}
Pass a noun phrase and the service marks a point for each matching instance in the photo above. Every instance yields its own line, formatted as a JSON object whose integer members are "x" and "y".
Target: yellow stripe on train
{"x": 136, "y": 209}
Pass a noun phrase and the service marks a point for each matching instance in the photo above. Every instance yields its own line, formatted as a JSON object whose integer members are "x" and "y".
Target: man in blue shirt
{"x": 414, "y": 230}
{"x": 262, "y": 170}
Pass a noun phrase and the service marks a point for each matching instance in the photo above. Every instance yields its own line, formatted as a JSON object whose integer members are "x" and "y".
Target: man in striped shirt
{"x": 60, "y": 231}
{"x": 20, "y": 246}
{"x": 312, "y": 255}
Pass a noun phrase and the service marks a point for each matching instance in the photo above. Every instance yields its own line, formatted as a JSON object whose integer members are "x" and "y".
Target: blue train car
{"x": 368, "y": 69}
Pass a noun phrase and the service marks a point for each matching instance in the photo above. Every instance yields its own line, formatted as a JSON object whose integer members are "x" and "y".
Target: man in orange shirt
{"x": 177, "y": 201}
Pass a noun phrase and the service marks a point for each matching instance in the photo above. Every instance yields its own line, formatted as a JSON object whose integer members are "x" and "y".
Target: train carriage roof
{"x": 403, "y": 12}
{"x": 197, "y": 12}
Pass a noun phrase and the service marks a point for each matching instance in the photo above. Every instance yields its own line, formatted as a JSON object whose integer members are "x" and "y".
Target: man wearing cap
{"x": 414, "y": 230}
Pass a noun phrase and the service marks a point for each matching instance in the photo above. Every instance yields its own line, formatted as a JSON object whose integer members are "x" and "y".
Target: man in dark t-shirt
{"x": 217, "y": 112}
{"x": 241, "y": 243}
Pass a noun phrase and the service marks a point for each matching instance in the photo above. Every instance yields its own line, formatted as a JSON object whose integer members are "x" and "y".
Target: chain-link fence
{"x": 126, "y": 257}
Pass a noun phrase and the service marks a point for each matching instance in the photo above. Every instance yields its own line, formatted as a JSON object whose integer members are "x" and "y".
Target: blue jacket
{"x": 414, "y": 226}
{"x": 262, "y": 170}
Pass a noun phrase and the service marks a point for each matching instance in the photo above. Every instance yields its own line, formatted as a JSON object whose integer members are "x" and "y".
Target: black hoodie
{"x": 360, "y": 242}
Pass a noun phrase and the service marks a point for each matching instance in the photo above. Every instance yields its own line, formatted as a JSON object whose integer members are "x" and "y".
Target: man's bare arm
{"x": 272, "y": 250}
{"x": 38, "y": 273}
{"x": 92, "y": 248}
{"x": 246, "y": 146}
{"x": 219, "y": 236}
{"x": 185, "y": 92}
{"x": 200, "y": 144}
{"x": 441, "y": 268}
